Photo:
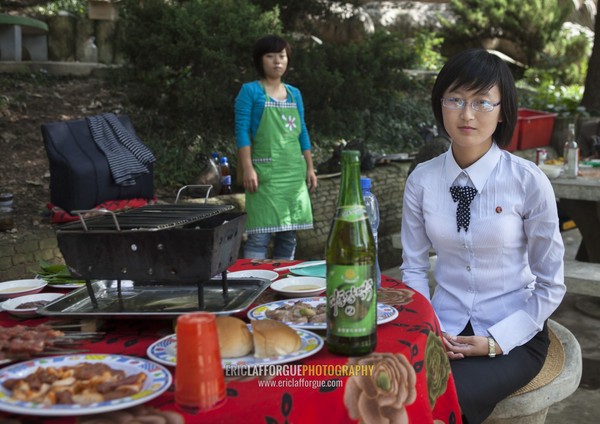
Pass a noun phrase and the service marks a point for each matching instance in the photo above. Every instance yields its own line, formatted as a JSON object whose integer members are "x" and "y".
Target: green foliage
{"x": 51, "y": 8}
{"x": 564, "y": 60}
{"x": 529, "y": 25}
{"x": 427, "y": 46}
{"x": 354, "y": 91}
{"x": 293, "y": 12}
{"x": 187, "y": 58}
{"x": 547, "y": 96}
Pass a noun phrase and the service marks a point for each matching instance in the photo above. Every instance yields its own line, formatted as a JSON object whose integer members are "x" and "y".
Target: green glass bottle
{"x": 350, "y": 256}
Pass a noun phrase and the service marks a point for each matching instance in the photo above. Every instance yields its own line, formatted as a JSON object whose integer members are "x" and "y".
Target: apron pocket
{"x": 264, "y": 170}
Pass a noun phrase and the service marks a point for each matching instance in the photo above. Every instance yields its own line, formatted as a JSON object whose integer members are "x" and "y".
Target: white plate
{"x": 297, "y": 286}
{"x": 253, "y": 273}
{"x": 158, "y": 379}
{"x": 165, "y": 351}
{"x": 67, "y": 285}
{"x": 11, "y": 305}
{"x": 14, "y": 288}
{"x": 385, "y": 313}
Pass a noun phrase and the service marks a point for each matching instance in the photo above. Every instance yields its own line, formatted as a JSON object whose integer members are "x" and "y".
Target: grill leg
{"x": 120, "y": 296}
{"x": 91, "y": 294}
{"x": 200, "y": 296}
{"x": 224, "y": 283}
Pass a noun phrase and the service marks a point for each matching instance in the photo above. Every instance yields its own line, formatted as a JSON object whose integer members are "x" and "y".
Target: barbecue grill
{"x": 175, "y": 244}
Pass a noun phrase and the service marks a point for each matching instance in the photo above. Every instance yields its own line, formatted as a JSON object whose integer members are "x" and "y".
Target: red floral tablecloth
{"x": 409, "y": 380}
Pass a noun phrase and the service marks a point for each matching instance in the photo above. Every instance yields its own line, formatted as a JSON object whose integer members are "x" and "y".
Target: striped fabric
{"x": 282, "y": 104}
{"x": 262, "y": 160}
{"x": 287, "y": 227}
{"x": 127, "y": 156}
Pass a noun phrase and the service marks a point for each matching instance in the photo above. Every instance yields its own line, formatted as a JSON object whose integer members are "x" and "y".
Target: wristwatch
{"x": 492, "y": 347}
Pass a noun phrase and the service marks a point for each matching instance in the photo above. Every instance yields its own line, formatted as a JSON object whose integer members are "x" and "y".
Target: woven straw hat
{"x": 553, "y": 366}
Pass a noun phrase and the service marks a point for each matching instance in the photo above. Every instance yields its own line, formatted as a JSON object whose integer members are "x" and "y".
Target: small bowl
{"x": 15, "y": 288}
{"x": 551, "y": 171}
{"x": 12, "y": 305}
{"x": 299, "y": 286}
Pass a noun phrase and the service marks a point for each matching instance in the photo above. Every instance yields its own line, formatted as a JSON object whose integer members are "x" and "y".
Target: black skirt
{"x": 482, "y": 382}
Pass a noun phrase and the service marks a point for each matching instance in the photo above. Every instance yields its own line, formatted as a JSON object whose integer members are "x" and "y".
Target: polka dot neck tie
{"x": 464, "y": 196}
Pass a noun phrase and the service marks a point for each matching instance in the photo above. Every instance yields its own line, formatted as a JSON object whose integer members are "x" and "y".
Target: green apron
{"x": 282, "y": 202}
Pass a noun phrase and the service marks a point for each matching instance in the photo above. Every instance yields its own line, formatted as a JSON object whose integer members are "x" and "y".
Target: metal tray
{"x": 154, "y": 300}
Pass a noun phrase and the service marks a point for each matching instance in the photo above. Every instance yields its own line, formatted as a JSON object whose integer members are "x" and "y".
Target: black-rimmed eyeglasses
{"x": 455, "y": 103}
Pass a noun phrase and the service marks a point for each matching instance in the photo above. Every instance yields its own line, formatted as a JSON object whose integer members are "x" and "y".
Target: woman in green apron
{"x": 273, "y": 154}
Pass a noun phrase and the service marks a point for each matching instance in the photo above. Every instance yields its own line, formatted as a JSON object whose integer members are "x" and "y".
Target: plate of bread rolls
{"x": 262, "y": 342}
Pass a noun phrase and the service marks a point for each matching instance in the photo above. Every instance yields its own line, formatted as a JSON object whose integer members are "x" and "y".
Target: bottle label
{"x": 351, "y": 213}
{"x": 226, "y": 180}
{"x": 351, "y": 300}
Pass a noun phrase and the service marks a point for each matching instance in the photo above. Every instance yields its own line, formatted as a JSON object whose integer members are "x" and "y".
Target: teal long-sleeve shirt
{"x": 249, "y": 106}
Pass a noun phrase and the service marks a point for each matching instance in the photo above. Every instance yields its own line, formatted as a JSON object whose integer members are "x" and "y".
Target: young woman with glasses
{"x": 492, "y": 220}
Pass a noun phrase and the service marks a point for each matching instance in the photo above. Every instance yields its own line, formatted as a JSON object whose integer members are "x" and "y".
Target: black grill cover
{"x": 80, "y": 177}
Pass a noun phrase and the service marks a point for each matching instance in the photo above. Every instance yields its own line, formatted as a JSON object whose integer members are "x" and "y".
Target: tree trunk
{"x": 591, "y": 95}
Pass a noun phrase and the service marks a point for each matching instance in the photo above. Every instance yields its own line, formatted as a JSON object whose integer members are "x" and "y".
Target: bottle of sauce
{"x": 350, "y": 257}
{"x": 571, "y": 154}
{"x": 225, "y": 176}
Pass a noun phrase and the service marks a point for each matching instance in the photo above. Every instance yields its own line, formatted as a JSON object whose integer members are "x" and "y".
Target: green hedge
{"x": 189, "y": 59}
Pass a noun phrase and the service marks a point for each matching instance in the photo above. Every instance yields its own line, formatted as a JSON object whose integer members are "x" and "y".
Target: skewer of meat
{"x": 23, "y": 342}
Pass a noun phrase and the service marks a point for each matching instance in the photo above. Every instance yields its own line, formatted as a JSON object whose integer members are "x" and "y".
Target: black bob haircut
{"x": 269, "y": 44}
{"x": 479, "y": 70}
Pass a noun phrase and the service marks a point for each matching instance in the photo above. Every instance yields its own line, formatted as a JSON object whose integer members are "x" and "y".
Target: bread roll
{"x": 235, "y": 339}
{"x": 273, "y": 338}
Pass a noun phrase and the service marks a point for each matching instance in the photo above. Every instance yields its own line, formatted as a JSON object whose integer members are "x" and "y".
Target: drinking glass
{"x": 199, "y": 378}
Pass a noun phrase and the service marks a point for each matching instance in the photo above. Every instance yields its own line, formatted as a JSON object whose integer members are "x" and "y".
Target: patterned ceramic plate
{"x": 158, "y": 379}
{"x": 164, "y": 351}
{"x": 385, "y": 313}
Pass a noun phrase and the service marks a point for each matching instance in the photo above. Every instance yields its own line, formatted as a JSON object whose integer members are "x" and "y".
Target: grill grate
{"x": 146, "y": 218}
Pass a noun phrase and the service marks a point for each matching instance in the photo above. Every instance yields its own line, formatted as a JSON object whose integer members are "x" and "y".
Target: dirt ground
{"x": 26, "y": 102}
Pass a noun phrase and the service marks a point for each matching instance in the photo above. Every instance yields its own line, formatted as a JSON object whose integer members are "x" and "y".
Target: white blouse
{"x": 505, "y": 274}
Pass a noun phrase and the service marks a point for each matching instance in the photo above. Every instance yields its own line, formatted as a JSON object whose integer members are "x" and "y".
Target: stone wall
{"x": 68, "y": 34}
{"x": 20, "y": 255}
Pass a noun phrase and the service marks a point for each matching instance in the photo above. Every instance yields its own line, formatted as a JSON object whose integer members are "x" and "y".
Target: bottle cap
{"x": 365, "y": 183}
{"x": 224, "y": 159}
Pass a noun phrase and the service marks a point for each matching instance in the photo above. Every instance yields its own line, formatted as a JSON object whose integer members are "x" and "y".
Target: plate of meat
{"x": 309, "y": 312}
{"x": 81, "y": 384}
{"x": 27, "y": 306}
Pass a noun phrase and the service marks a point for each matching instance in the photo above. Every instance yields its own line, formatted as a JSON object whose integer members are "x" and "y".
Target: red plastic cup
{"x": 199, "y": 379}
